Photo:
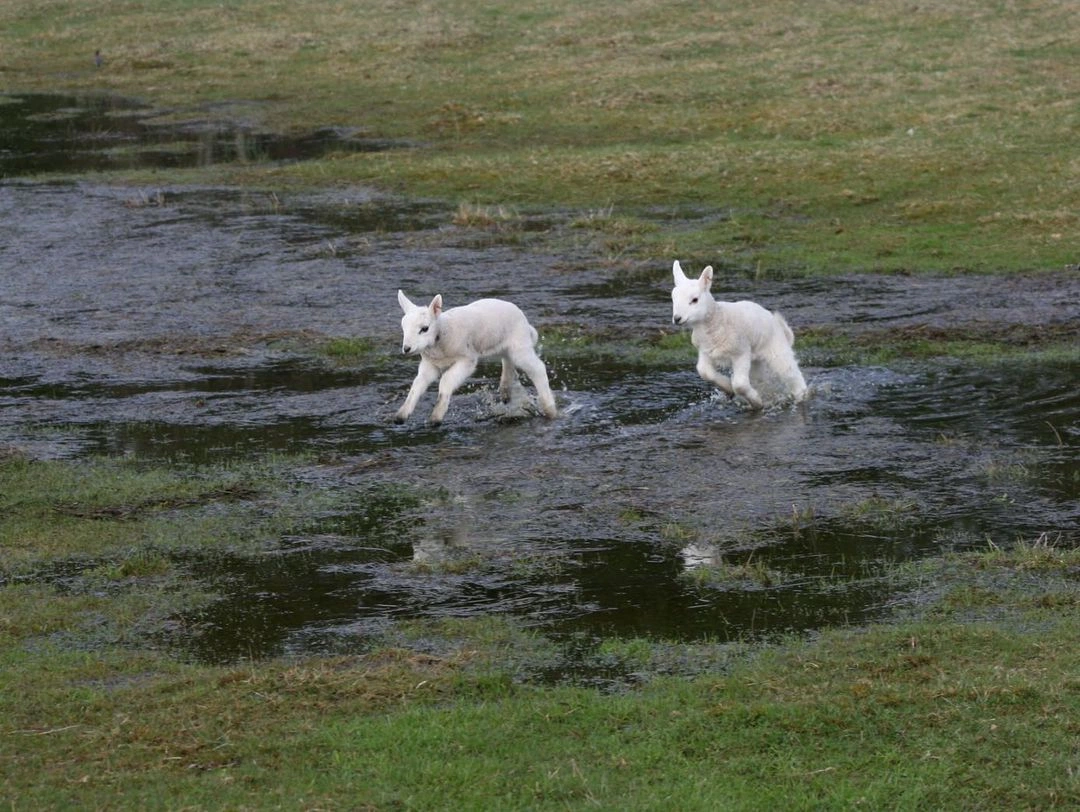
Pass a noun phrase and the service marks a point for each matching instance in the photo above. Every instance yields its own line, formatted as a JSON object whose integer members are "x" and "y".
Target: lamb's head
{"x": 690, "y": 298}
{"x": 419, "y": 325}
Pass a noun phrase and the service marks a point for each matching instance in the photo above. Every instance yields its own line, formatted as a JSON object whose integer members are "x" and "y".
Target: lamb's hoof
{"x": 399, "y": 419}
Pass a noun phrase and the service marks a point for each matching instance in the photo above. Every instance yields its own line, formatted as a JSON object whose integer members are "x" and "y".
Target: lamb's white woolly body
{"x": 452, "y": 342}
{"x": 741, "y": 335}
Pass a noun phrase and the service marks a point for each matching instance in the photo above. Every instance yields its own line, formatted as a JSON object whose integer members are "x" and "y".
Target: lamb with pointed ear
{"x": 741, "y": 336}
{"x": 452, "y": 342}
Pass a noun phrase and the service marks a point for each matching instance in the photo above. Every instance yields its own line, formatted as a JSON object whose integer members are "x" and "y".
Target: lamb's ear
{"x": 403, "y": 300}
{"x": 706, "y": 278}
{"x": 677, "y": 272}
{"x": 436, "y": 305}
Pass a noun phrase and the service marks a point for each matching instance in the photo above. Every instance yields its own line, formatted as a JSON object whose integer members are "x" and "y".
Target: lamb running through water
{"x": 741, "y": 336}
{"x": 452, "y": 342}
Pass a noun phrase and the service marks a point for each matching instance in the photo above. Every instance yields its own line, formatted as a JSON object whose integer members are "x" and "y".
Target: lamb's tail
{"x": 535, "y": 335}
{"x": 787, "y": 330}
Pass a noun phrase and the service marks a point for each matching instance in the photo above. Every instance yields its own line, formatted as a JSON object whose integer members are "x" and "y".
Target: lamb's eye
{"x": 694, "y": 300}
{"x": 423, "y": 330}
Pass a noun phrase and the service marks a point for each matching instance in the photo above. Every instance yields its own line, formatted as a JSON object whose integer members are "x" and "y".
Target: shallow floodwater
{"x": 45, "y": 132}
{"x": 162, "y": 324}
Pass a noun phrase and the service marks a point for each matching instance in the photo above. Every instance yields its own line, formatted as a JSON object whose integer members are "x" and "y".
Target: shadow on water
{"x": 54, "y": 133}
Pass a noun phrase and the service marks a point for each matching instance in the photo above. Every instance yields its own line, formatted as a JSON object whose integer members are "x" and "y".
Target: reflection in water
{"x": 696, "y": 556}
{"x": 432, "y": 552}
{"x": 56, "y": 133}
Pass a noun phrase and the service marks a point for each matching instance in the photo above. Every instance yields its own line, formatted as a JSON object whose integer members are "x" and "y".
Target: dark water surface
{"x": 47, "y": 132}
{"x": 160, "y": 324}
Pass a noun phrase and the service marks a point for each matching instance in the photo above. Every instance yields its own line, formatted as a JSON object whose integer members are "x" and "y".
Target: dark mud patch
{"x": 182, "y": 331}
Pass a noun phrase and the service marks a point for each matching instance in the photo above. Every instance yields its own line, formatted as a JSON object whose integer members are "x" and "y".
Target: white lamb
{"x": 452, "y": 342}
{"x": 742, "y": 336}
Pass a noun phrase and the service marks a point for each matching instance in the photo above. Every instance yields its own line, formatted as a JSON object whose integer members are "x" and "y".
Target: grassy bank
{"x": 969, "y": 700}
{"x": 926, "y": 715}
{"x": 820, "y": 137}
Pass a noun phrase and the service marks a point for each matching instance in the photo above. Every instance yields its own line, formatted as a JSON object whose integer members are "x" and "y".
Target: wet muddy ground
{"x": 176, "y": 324}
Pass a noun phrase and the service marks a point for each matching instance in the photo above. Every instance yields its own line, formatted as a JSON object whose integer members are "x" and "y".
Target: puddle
{"x": 87, "y": 133}
{"x": 159, "y": 325}
{"x": 602, "y": 523}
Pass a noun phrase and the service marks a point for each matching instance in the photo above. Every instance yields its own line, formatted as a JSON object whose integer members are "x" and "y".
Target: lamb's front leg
{"x": 426, "y": 375}
{"x": 708, "y": 372}
{"x": 740, "y": 380}
{"x": 452, "y": 378}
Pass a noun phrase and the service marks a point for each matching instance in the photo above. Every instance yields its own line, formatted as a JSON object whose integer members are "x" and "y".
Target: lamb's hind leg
{"x": 787, "y": 369}
{"x": 506, "y": 380}
{"x": 451, "y": 379}
{"x": 531, "y": 364}
{"x": 797, "y": 382}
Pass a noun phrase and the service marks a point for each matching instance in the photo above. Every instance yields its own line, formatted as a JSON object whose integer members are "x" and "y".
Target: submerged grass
{"x": 106, "y": 507}
{"x": 819, "y": 138}
{"x": 728, "y": 574}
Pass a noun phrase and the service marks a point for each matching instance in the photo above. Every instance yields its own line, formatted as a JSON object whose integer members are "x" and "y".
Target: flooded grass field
{"x": 186, "y": 326}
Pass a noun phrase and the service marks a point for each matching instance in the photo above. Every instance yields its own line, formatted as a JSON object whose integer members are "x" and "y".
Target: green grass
{"x": 984, "y": 345}
{"x": 880, "y": 513}
{"x": 825, "y": 137}
{"x": 942, "y": 709}
{"x": 350, "y": 351}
